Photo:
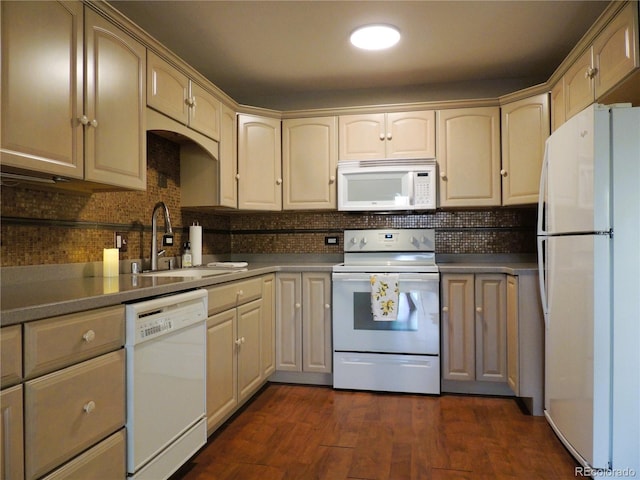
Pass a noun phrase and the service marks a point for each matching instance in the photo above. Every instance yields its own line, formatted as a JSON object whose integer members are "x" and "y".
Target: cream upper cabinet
{"x": 469, "y": 157}
{"x": 611, "y": 57}
{"x": 309, "y": 160}
{"x": 43, "y": 87}
{"x": 402, "y": 135}
{"x": 558, "y": 115}
{"x": 173, "y": 93}
{"x": 525, "y": 128}
{"x": 259, "y": 163}
{"x": 474, "y": 322}
{"x": 79, "y": 110}
{"x": 228, "y": 149}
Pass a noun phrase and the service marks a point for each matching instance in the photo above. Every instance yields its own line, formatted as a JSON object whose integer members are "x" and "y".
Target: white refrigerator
{"x": 589, "y": 256}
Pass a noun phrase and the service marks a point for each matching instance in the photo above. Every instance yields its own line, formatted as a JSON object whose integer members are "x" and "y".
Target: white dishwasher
{"x": 166, "y": 383}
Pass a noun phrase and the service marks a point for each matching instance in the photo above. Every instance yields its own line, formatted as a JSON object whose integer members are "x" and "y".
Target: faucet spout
{"x": 167, "y": 238}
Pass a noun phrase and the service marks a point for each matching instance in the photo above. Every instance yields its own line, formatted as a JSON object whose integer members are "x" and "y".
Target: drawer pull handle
{"x": 89, "y": 336}
{"x": 89, "y": 406}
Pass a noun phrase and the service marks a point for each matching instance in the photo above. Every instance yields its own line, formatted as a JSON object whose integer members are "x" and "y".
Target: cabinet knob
{"x": 93, "y": 123}
{"x": 89, "y": 406}
{"x": 279, "y": 181}
{"x": 389, "y": 136}
{"x": 240, "y": 293}
{"x": 238, "y": 341}
{"x": 83, "y": 120}
{"x": 327, "y": 306}
{"x": 332, "y": 179}
{"x": 381, "y": 136}
{"x": 445, "y": 309}
{"x": 89, "y": 336}
{"x": 297, "y": 305}
{"x": 591, "y": 72}
{"x": 479, "y": 309}
{"x": 503, "y": 172}
{"x": 237, "y": 176}
{"x": 443, "y": 175}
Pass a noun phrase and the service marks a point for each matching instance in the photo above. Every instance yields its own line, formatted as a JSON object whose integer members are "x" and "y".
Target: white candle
{"x": 110, "y": 262}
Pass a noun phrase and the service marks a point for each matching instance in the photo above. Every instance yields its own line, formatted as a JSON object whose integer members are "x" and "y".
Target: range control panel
{"x": 391, "y": 240}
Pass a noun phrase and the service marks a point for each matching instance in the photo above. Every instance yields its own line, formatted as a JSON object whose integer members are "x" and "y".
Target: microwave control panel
{"x": 424, "y": 185}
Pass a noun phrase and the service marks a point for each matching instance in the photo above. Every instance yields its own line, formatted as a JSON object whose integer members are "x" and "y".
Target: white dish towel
{"x": 385, "y": 293}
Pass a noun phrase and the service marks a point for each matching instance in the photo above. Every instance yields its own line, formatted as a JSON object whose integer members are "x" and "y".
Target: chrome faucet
{"x": 167, "y": 238}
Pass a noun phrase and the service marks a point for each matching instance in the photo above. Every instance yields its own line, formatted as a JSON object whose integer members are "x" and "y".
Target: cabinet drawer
{"x": 71, "y": 409}
{"x": 58, "y": 342}
{"x": 11, "y": 355}
{"x": 233, "y": 294}
{"x": 106, "y": 460}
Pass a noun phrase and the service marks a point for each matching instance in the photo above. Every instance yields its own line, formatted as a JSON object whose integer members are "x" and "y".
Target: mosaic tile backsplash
{"x": 53, "y": 227}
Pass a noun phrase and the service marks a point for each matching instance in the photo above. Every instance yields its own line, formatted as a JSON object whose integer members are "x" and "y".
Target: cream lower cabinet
{"x": 303, "y": 322}
{"x": 259, "y": 163}
{"x": 474, "y": 327}
{"x": 525, "y": 129}
{"x": 11, "y": 434}
{"x": 309, "y": 162}
{"x": 73, "y": 96}
{"x": 74, "y": 395}
{"x": 240, "y": 348}
{"x": 468, "y": 155}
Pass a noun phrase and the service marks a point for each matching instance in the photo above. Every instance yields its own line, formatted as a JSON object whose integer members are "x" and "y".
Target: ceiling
{"x": 290, "y": 55}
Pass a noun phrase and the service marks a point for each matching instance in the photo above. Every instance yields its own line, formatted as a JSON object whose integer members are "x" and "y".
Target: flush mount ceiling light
{"x": 375, "y": 37}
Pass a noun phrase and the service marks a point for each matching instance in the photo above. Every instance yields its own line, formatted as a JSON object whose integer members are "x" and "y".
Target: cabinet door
{"x": 557, "y": 105}
{"x": 513, "y": 351}
{"x": 11, "y": 434}
{"x": 228, "y": 158}
{"x": 222, "y": 367}
{"x": 11, "y": 355}
{"x": 615, "y": 50}
{"x": 579, "y": 85}
{"x": 469, "y": 156}
{"x": 316, "y": 322}
{"x": 259, "y": 163}
{"x": 116, "y": 138}
{"x": 42, "y": 87}
{"x": 248, "y": 348}
{"x": 525, "y": 128}
{"x": 458, "y": 333}
{"x": 69, "y": 410}
{"x": 362, "y": 137}
{"x": 309, "y": 159}
{"x": 289, "y": 322}
{"x": 411, "y": 135}
{"x": 268, "y": 328}
{"x": 167, "y": 89}
{"x": 204, "y": 114}
{"x": 491, "y": 327}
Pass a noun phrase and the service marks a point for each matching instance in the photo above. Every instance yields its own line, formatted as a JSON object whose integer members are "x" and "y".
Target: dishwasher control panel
{"x": 153, "y": 318}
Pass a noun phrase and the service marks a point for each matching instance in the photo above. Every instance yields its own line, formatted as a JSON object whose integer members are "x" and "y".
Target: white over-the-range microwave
{"x": 384, "y": 185}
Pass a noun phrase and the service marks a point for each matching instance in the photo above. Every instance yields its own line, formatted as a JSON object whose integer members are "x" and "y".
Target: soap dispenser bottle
{"x": 187, "y": 259}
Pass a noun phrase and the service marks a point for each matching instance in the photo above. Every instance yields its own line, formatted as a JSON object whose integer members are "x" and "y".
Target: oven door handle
{"x": 404, "y": 277}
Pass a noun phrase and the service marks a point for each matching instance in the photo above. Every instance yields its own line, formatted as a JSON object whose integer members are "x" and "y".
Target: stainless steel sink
{"x": 189, "y": 272}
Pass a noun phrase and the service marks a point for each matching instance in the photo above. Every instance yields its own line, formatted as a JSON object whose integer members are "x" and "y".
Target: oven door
{"x": 416, "y": 330}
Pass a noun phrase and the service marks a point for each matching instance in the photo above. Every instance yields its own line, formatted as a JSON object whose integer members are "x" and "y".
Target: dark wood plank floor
{"x": 301, "y": 432}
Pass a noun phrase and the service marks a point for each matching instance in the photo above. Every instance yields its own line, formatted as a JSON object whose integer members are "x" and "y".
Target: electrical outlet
{"x": 121, "y": 241}
{"x": 331, "y": 241}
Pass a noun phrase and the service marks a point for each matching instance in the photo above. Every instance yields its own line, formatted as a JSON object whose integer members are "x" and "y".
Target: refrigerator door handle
{"x": 542, "y": 278}
{"x": 543, "y": 190}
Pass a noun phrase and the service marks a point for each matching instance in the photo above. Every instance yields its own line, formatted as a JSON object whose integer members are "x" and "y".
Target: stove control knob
{"x": 363, "y": 241}
{"x": 354, "y": 240}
